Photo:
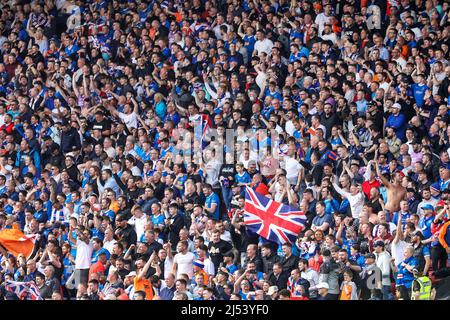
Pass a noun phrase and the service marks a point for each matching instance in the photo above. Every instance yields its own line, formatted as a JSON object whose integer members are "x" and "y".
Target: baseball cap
{"x": 323, "y": 285}
{"x": 396, "y": 106}
{"x": 131, "y": 274}
{"x": 198, "y": 263}
{"x": 428, "y": 207}
{"x": 401, "y": 173}
{"x": 435, "y": 187}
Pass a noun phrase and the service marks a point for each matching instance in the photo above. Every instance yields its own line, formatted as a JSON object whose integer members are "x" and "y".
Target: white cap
{"x": 131, "y": 274}
{"x": 323, "y": 285}
{"x": 396, "y": 105}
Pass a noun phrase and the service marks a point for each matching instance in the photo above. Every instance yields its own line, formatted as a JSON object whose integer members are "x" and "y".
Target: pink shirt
{"x": 415, "y": 157}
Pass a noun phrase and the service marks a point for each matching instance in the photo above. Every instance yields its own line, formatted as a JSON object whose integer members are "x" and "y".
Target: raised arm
{"x": 368, "y": 172}
{"x": 74, "y": 85}
{"x": 341, "y": 191}
{"x": 208, "y": 88}
{"x": 398, "y": 232}
{"x": 289, "y": 194}
{"x": 237, "y": 284}
{"x": 339, "y": 232}
{"x": 344, "y": 142}
{"x": 135, "y": 106}
{"x": 382, "y": 178}
{"x": 144, "y": 270}
{"x": 128, "y": 253}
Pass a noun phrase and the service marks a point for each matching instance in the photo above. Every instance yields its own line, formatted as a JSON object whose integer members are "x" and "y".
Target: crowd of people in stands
{"x": 115, "y": 155}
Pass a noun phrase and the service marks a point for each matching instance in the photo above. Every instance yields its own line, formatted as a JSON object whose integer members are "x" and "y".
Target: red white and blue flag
{"x": 272, "y": 220}
{"x": 206, "y": 124}
{"x": 24, "y": 290}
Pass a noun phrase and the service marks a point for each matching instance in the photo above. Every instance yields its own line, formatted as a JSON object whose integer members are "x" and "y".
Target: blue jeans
{"x": 387, "y": 294}
{"x": 227, "y": 196}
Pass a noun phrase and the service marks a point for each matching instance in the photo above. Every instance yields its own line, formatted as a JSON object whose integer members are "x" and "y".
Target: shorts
{"x": 81, "y": 276}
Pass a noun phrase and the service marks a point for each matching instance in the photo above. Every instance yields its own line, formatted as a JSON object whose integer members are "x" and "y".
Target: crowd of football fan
{"x": 339, "y": 109}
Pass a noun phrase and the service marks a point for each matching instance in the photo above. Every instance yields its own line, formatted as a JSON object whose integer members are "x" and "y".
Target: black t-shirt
{"x": 217, "y": 250}
{"x": 376, "y": 206}
{"x": 193, "y": 197}
{"x": 159, "y": 190}
{"x": 123, "y": 273}
{"x": 103, "y": 125}
{"x": 134, "y": 194}
{"x": 226, "y": 171}
{"x": 242, "y": 239}
{"x": 129, "y": 235}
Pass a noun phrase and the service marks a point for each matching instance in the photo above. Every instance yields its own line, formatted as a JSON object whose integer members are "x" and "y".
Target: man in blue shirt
{"x": 40, "y": 215}
{"x": 419, "y": 90}
{"x": 249, "y": 41}
{"x": 397, "y": 121}
{"x": 322, "y": 221}
{"x": 404, "y": 213}
{"x": 426, "y": 221}
{"x": 168, "y": 291}
{"x": 404, "y": 271}
{"x": 212, "y": 202}
{"x": 98, "y": 250}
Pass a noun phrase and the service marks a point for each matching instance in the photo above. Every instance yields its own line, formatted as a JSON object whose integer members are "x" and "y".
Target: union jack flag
{"x": 24, "y": 290}
{"x": 272, "y": 220}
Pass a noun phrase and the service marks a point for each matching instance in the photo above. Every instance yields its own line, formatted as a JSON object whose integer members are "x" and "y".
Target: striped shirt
{"x": 57, "y": 215}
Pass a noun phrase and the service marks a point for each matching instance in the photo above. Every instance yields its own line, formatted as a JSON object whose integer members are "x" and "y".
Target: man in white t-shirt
{"x": 293, "y": 169}
{"x": 129, "y": 116}
{"x": 182, "y": 261}
{"x": 138, "y": 221}
{"x": 323, "y": 18}
{"x": 108, "y": 241}
{"x": 262, "y": 44}
{"x": 202, "y": 256}
{"x": 84, "y": 255}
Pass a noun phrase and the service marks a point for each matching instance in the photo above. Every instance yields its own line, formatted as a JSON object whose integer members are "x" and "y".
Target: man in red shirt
{"x": 8, "y": 126}
{"x": 370, "y": 180}
{"x": 258, "y": 185}
{"x": 99, "y": 266}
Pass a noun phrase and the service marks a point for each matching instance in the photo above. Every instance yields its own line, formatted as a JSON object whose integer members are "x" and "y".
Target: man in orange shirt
{"x": 99, "y": 266}
{"x": 141, "y": 282}
{"x": 198, "y": 270}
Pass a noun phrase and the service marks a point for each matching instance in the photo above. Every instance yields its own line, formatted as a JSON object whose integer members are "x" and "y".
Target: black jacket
{"x": 289, "y": 264}
{"x": 280, "y": 281}
{"x": 129, "y": 235}
{"x": 70, "y": 141}
{"x": 269, "y": 261}
{"x": 173, "y": 230}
